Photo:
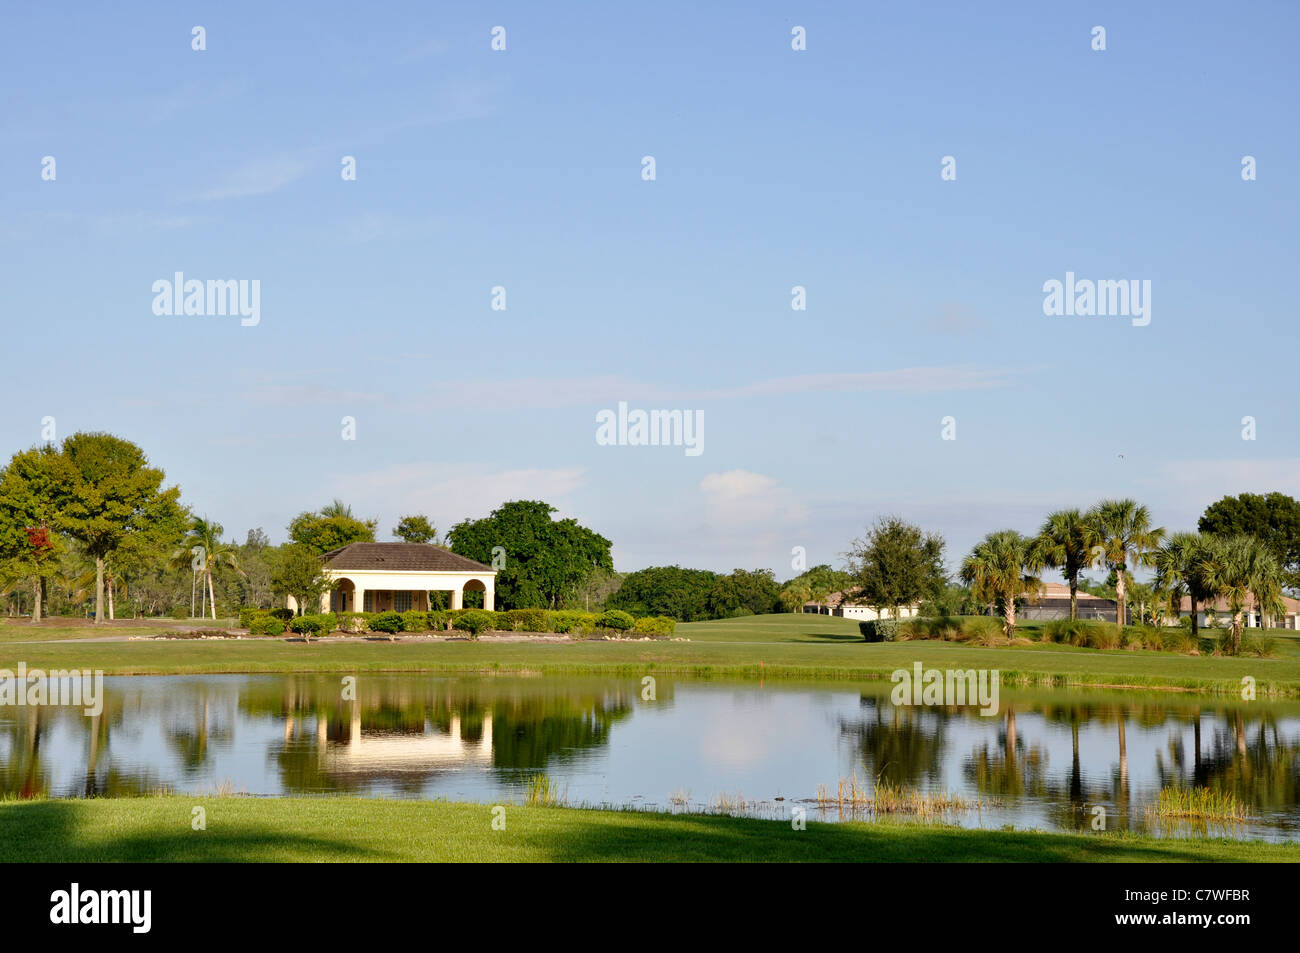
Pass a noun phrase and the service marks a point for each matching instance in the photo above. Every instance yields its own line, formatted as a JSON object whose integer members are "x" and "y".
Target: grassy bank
{"x": 784, "y": 646}
{"x": 352, "y": 829}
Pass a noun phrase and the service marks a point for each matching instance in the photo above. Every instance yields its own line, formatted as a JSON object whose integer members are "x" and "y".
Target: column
{"x": 457, "y": 598}
{"x": 489, "y": 595}
{"x": 361, "y": 599}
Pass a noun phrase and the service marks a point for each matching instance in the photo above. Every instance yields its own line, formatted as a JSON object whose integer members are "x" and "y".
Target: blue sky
{"x": 775, "y": 168}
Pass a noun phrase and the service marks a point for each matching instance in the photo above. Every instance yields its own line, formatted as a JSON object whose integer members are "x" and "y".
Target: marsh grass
{"x": 888, "y": 798}
{"x": 540, "y": 791}
{"x": 1201, "y": 804}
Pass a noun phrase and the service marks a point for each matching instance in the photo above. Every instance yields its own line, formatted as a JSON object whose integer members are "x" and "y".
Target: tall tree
{"x": 1241, "y": 569}
{"x": 204, "y": 550}
{"x": 330, "y": 528}
{"x": 1180, "y": 565}
{"x": 1124, "y": 540}
{"x": 114, "y": 493}
{"x": 1064, "y": 542}
{"x": 897, "y": 564}
{"x": 1000, "y": 569}
{"x": 1273, "y": 518}
{"x": 542, "y": 561}
{"x": 32, "y": 494}
{"x": 416, "y": 528}
{"x": 297, "y": 570}
{"x": 682, "y": 594}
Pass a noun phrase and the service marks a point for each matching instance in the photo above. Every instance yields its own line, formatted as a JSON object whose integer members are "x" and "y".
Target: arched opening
{"x": 472, "y": 594}
{"x": 343, "y": 597}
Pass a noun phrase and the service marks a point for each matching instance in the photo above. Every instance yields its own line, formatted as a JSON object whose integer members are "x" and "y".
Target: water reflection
{"x": 1047, "y": 760}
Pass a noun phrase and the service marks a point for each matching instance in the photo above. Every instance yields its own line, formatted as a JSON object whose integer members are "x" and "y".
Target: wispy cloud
{"x": 257, "y": 177}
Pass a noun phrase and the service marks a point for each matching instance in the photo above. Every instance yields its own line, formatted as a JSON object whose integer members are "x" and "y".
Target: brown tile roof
{"x": 400, "y": 557}
{"x": 1053, "y": 591}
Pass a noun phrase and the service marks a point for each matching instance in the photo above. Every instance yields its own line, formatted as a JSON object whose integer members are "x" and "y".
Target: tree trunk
{"x": 1074, "y": 598}
{"x": 36, "y": 603}
{"x": 212, "y": 598}
{"x": 109, "y": 582}
{"x": 1236, "y": 632}
{"x": 99, "y": 590}
{"x": 1009, "y": 617}
{"x": 1119, "y": 602}
{"x": 1196, "y": 623}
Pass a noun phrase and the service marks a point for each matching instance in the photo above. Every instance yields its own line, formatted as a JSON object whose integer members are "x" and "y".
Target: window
{"x": 402, "y": 601}
{"x": 370, "y": 601}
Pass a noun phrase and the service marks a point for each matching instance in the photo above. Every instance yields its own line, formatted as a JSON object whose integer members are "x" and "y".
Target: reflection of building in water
{"x": 387, "y": 752}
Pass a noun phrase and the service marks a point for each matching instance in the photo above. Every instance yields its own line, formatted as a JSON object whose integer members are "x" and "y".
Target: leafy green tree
{"x": 1273, "y": 518}
{"x": 681, "y": 594}
{"x": 817, "y": 582}
{"x": 1065, "y": 542}
{"x": 896, "y": 564}
{"x": 113, "y": 494}
{"x": 415, "y": 528}
{"x": 331, "y": 528}
{"x": 1241, "y": 568}
{"x": 32, "y": 492}
{"x": 1123, "y": 539}
{"x": 753, "y": 591}
{"x": 1000, "y": 569}
{"x": 1180, "y": 565}
{"x": 546, "y": 561}
{"x": 297, "y": 570}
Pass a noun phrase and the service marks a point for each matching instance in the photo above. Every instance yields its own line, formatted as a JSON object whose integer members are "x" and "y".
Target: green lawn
{"x": 353, "y": 829}
{"x": 803, "y": 647}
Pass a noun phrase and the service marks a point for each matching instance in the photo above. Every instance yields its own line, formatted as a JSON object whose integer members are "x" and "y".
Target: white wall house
{"x": 842, "y": 604}
{"x": 382, "y": 577}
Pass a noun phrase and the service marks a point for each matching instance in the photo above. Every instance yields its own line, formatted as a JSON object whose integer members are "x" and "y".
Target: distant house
{"x": 846, "y": 604}
{"x": 1220, "y": 613}
{"x": 1054, "y": 603}
{"x": 379, "y": 577}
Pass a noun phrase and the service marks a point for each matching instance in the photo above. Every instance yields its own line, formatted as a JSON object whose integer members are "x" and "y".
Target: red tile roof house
{"x": 1220, "y": 613}
{"x": 1054, "y": 603}
{"x": 843, "y": 604}
{"x": 379, "y": 577}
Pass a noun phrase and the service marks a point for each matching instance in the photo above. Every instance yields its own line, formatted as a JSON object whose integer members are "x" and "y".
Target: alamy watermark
{"x": 1105, "y": 297}
{"x": 37, "y": 688}
{"x": 213, "y": 297}
{"x": 651, "y": 428}
{"x": 936, "y": 687}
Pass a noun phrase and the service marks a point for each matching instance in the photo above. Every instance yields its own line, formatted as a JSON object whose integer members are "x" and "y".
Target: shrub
{"x": 283, "y": 614}
{"x": 526, "y": 620}
{"x": 1260, "y": 646}
{"x": 266, "y": 625}
{"x": 1097, "y": 635}
{"x": 309, "y": 625}
{"x": 933, "y": 627}
{"x": 247, "y": 615}
{"x": 390, "y": 622}
{"x": 438, "y": 619}
{"x": 474, "y": 621}
{"x": 983, "y": 629}
{"x": 615, "y": 619}
{"x": 415, "y": 621}
{"x": 1175, "y": 639}
{"x": 655, "y": 626}
{"x": 354, "y": 621}
{"x": 879, "y": 630}
{"x": 563, "y": 622}
{"x": 180, "y": 612}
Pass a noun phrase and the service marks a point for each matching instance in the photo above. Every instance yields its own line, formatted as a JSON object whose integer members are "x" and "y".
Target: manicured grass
{"x": 793, "y": 649}
{"x": 352, "y": 829}
{"x": 58, "y": 628}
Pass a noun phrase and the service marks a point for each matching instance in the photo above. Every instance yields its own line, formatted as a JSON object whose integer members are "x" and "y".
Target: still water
{"x": 1046, "y": 760}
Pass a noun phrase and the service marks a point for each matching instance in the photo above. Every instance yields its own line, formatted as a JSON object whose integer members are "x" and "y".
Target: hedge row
{"x": 471, "y": 621}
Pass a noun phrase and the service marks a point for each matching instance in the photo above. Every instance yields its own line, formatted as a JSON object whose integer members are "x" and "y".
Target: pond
{"x": 1046, "y": 760}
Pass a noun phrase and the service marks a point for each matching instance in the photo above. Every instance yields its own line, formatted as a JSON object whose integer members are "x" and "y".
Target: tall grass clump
{"x": 1201, "y": 804}
{"x": 541, "y": 792}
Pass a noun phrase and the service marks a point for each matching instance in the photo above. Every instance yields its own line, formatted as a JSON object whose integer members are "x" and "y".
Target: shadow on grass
{"x": 63, "y": 832}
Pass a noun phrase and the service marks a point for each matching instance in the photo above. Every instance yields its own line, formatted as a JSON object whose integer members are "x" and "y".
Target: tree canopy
{"x": 897, "y": 564}
{"x": 1274, "y": 519}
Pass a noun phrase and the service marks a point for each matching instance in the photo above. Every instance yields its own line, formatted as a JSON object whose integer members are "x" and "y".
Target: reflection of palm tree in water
{"x": 905, "y": 749}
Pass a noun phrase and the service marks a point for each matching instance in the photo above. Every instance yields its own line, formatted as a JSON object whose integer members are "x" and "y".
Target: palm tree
{"x": 1064, "y": 542}
{"x": 1180, "y": 571}
{"x": 1241, "y": 568}
{"x": 203, "y": 543}
{"x": 1124, "y": 537}
{"x": 1001, "y": 568}
{"x": 336, "y": 508}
